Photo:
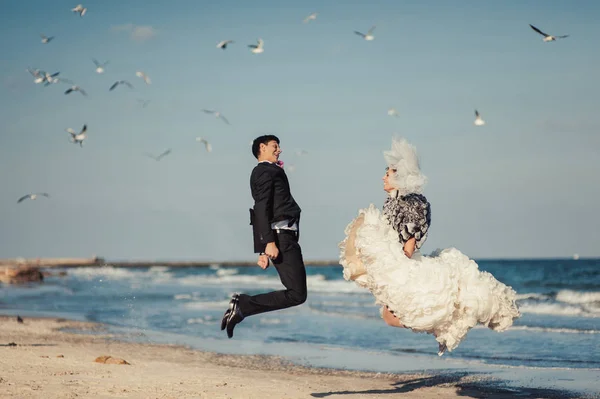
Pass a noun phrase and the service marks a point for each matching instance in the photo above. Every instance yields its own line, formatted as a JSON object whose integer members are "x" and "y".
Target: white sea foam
{"x": 107, "y": 272}
{"x": 315, "y": 283}
{"x": 207, "y": 305}
{"x": 226, "y": 272}
{"x": 577, "y": 297}
{"x": 272, "y": 321}
{"x": 552, "y": 330}
{"x": 558, "y": 309}
{"x": 532, "y": 295}
{"x": 202, "y": 320}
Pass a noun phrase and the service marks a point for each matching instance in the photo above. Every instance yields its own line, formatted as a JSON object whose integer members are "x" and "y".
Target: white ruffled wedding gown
{"x": 444, "y": 295}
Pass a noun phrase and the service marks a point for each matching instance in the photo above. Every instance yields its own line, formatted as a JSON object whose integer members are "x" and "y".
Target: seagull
{"x": 32, "y": 196}
{"x": 206, "y": 143}
{"x": 49, "y": 79}
{"x": 478, "y": 120}
{"x": 120, "y": 82}
{"x": 369, "y": 36}
{"x": 37, "y": 74}
{"x": 217, "y": 114}
{"x": 78, "y": 137}
{"x": 158, "y": 158}
{"x": 80, "y": 9}
{"x": 99, "y": 66}
{"x": 76, "y": 88}
{"x": 142, "y": 75}
{"x": 46, "y": 39}
{"x": 301, "y": 152}
{"x": 311, "y": 17}
{"x": 143, "y": 102}
{"x": 393, "y": 112}
{"x": 547, "y": 37}
{"x": 223, "y": 45}
{"x": 257, "y": 48}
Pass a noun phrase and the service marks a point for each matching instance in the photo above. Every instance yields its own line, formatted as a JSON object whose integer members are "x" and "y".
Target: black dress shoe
{"x": 232, "y": 304}
{"x": 234, "y": 318}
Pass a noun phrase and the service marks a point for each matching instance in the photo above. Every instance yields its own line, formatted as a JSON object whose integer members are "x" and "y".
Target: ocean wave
{"x": 533, "y": 295}
{"x": 226, "y": 272}
{"x": 202, "y": 320}
{"x": 272, "y": 321}
{"x": 558, "y": 309}
{"x": 315, "y": 283}
{"x": 552, "y": 330}
{"x": 207, "y": 305}
{"x": 578, "y": 297}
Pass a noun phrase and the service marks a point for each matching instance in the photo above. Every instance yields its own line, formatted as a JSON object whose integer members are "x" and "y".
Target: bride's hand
{"x": 409, "y": 247}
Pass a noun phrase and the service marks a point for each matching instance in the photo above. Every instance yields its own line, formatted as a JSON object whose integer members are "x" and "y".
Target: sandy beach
{"x": 40, "y": 360}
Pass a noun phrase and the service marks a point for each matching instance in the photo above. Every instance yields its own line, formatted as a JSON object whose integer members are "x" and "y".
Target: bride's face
{"x": 387, "y": 187}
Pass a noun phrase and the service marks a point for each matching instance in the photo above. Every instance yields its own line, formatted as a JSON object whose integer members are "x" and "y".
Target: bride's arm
{"x": 409, "y": 247}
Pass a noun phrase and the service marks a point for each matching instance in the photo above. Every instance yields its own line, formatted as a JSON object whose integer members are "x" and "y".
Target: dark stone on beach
{"x": 20, "y": 274}
{"x": 110, "y": 360}
{"x": 52, "y": 274}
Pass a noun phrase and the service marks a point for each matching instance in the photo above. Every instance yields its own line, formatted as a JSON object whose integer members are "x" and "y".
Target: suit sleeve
{"x": 263, "y": 207}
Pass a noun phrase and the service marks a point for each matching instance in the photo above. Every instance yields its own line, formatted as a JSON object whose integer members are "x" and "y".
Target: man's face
{"x": 270, "y": 151}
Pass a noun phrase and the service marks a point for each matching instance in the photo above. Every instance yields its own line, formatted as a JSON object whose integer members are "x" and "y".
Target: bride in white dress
{"x": 444, "y": 294}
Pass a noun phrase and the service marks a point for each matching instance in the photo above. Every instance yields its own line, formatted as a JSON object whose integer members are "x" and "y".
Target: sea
{"x": 339, "y": 325}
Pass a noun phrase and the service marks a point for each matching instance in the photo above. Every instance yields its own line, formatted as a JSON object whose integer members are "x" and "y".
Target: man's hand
{"x": 271, "y": 250}
{"x": 263, "y": 261}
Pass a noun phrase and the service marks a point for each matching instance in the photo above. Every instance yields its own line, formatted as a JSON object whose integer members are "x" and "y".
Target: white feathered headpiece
{"x": 403, "y": 158}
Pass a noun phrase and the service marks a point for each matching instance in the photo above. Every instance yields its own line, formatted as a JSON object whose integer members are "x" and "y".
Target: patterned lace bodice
{"x": 409, "y": 215}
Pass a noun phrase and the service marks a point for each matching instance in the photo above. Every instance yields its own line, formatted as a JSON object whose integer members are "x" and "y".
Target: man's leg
{"x": 290, "y": 266}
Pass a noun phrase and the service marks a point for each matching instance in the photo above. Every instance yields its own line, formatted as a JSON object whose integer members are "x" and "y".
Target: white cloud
{"x": 138, "y": 33}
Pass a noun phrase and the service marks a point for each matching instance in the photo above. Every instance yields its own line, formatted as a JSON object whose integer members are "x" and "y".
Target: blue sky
{"x": 523, "y": 185}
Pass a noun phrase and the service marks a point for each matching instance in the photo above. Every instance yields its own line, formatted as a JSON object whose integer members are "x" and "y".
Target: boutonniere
{"x": 280, "y": 164}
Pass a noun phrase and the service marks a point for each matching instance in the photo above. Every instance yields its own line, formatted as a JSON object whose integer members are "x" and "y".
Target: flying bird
{"x": 143, "y": 102}
{"x": 206, "y": 143}
{"x": 257, "y": 48}
{"x": 311, "y": 17}
{"x": 547, "y": 37}
{"x": 99, "y": 66}
{"x": 77, "y": 138}
{"x": 120, "y": 82}
{"x": 76, "y": 88}
{"x": 79, "y": 9}
{"x": 32, "y": 196}
{"x": 217, "y": 114}
{"x": 393, "y": 112}
{"x": 223, "y": 45}
{"x": 46, "y": 39}
{"x": 301, "y": 152}
{"x": 369, "y": 36}
{"x": 37, "y": 74}
{"x": 160, "y": 156}
{"x": 478, "y": 120}
{"x": 142, "y": 75}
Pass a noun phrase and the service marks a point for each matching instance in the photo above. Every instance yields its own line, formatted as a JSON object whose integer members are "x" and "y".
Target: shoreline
{"x": 53, "y": 357}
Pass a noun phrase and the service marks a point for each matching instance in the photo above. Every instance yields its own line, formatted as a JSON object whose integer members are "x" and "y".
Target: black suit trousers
{"x": 291, "y": 270}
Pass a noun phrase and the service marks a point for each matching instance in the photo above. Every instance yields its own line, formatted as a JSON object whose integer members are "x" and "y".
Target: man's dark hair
{"x": 262, "y": 140}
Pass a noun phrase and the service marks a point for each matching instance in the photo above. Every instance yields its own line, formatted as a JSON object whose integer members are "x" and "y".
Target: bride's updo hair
{"x": 402, "y": 160}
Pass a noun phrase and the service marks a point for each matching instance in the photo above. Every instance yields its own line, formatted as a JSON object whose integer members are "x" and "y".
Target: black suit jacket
{"x": 273, "y": 202}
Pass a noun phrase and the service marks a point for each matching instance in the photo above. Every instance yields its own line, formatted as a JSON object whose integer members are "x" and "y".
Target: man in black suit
{"x": 275, "y": 219}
